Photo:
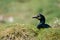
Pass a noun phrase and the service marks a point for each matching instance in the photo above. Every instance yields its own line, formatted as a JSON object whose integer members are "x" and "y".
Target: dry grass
{"x": 18, "y": 33}
{"x": 22, "y": 32}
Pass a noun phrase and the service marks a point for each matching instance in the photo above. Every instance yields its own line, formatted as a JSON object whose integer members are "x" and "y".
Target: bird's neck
{"x": 42, "y": 20}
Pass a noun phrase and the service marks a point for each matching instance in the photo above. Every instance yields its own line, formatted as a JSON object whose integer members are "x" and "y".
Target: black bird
{"x": 42, "y": 24}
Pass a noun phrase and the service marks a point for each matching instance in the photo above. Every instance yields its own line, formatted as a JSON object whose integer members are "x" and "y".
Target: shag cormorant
{"x": 42, "y": 24}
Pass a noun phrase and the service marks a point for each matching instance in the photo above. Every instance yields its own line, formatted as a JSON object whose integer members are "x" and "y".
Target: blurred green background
{"x": 23, "y": 10}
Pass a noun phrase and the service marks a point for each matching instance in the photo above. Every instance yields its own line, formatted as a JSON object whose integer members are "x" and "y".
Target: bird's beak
{"x": 35, "y": 17}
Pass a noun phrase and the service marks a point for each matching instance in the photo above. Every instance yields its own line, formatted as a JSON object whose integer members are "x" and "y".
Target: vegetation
{"x": 25, "y": 32}
{"x": 23, "y": 26}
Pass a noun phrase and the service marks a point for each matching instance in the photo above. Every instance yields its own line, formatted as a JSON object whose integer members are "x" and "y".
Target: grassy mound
{"x": 18, "y": 32}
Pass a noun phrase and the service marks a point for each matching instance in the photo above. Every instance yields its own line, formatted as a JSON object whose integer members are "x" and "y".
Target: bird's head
{"x": 38, "y": 16}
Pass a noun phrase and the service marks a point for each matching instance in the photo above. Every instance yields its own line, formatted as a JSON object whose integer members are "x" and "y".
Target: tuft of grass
{"x": 29, "y": 32}
{"x": 18, "y": 32}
